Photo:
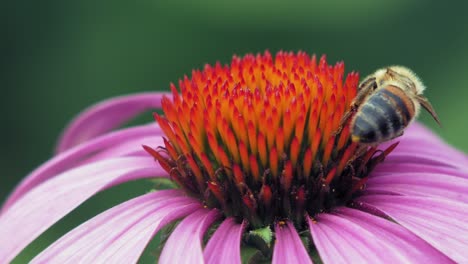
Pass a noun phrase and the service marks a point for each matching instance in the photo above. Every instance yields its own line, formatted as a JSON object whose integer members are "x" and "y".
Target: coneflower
{"x": 264, "y": 173}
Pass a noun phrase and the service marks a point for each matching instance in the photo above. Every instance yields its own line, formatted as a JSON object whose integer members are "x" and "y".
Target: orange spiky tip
{"x": 257, "y": 139}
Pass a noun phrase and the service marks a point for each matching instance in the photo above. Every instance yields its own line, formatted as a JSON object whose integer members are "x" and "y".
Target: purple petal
{"x": 420, "y": 145}
{"x": 80, "y": 154}
{"x": 405, "y": 156}
{"x": 105, "y": 116}
{"x": 421, "y": 131}
{"x": 385, "y": 169}
{"x": 431, "y": 148}
{"x": 420, "y": 184}
{"x": 443, "y": 149}
{"x": 349, "y": 235}
{"x": 440, "y": 222}
{"x": 185, "y": 243}
{"x": 48, "y": 202}
{"x": 288, "y": 246}
{"x": 224, "y": 245}
{"x": 417, "y": 131}
{"x": 121, "y": 233}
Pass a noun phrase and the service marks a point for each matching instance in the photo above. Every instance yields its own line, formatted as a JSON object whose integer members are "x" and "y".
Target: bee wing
{"x": 425, "y": 103}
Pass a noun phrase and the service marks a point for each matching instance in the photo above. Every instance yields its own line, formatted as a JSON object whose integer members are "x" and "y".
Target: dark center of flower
{"x": 257, "y": 139}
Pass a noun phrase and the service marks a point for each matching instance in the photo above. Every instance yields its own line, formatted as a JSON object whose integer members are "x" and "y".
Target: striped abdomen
{"x": 383, "y": 116}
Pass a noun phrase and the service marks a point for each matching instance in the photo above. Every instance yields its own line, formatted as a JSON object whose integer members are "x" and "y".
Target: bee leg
{"x": 364, "y": 90}
{"x": 359, "y": 152}
{"x": 344, "y": 119}
{"x": 426, "y": 105}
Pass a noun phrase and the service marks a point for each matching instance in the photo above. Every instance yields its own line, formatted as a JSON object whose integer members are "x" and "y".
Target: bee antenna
{"x": 426, "y": 105}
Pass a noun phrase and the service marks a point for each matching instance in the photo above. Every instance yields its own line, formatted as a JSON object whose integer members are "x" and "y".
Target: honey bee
{"x": 386, "y": 103}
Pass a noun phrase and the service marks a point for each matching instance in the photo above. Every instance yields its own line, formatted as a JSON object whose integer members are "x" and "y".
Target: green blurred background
{"x": 62, "y": 56}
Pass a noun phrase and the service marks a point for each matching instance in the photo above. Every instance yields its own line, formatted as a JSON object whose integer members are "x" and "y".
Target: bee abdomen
{"x": 382, "y": 116}
{"x": 400, "y": 101}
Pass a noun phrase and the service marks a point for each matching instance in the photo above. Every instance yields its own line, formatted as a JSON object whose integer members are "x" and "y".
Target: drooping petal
{"x": 288, "y": 246}
{"x": 77, "y": 155}
{"x": 132, "y": 147}
{"x": 48, "y": 202}
{"x": 224, "y": 245}
{"x": 105, "y": 116}
{"x": 421, "y": 184}
{"x": 120, "y": 234}
{"x": 185, "y": 243}
{"x": 349, "y": 235}
{"x": 440, "y": 222}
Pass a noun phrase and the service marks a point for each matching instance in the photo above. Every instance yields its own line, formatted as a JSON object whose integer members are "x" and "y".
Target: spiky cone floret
{"x": 257, "y": 138}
